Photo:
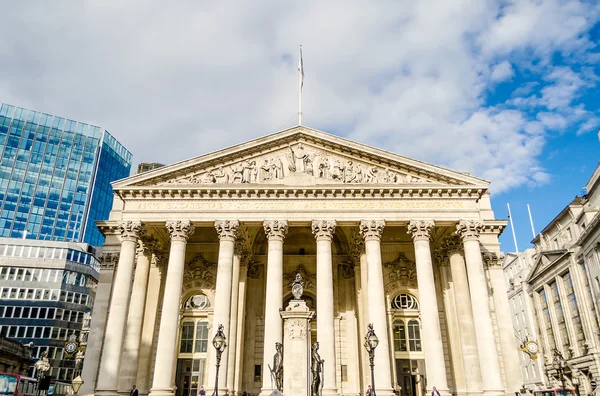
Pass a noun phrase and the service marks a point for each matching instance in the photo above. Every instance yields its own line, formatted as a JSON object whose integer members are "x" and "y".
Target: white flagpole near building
{"x": 531, "y": 221}
{"x": 300, "y": 85}
{"x": 512, "y": 227}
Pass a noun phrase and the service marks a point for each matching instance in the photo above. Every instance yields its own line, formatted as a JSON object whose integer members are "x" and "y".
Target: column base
{"x": 106, "y": 392}
{"x": 494, "y": 392}
{"x": 161, "y": 392}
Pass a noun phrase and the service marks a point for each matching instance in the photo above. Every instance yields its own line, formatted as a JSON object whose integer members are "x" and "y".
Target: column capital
{"x": 131, "y": 230}
{"x": 180, "y": 230}
{"x": 420, "y": 230}
{"x": 276, "y": 230}
{"x": 323, "y": 230}
{"x": 227, "y": 229}
{"x": 371, "y": 229}
{"x": 469, "y": 230}
{"x": 492, "y": 259}
{"x": 109, "y": 260}
{"x": 146, "y": 245}
{"x": 238, "y": 247}
{"x": 451, "y": 244}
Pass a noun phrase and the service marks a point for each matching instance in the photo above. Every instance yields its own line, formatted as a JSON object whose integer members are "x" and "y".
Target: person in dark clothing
{"x": 134, "y": 391}
{"x": 435, "y": 392}
{"x": 202, "y": 391}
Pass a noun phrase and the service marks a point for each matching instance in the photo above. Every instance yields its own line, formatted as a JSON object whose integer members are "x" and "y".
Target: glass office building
{"x": 47, "y": 290}
{"x": 55, "y": 176}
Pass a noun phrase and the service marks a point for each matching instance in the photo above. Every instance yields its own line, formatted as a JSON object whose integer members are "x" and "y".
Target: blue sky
{"x": 504, "y": 89}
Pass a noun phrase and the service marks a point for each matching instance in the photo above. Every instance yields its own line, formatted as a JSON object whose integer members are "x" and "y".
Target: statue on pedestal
{"x": 298, "y": 287}
{"x": 316, "y": 368}
{"x": 277, "y": 369}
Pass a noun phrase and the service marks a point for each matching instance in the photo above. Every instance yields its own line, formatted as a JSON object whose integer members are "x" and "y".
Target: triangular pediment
{"x": 546, "y": 259}
{"x": 300, "y": 156}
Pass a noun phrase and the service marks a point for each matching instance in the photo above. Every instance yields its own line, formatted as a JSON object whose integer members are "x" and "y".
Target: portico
{"x": 220, "y": 238}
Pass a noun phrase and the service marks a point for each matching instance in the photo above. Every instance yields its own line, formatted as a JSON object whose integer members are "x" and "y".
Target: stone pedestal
{"x": 296, "y": 348}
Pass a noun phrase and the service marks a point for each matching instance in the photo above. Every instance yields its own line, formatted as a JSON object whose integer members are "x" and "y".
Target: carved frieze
{"x": 299, "y": 159}
{"x": 402, "y": 274}
{"x": 199, "y": 273}
{"x": 296, "y": 328}
{"x": 492, "y": 259}
{"x": 109, "y": 260}
{"x": 309, "y": 278}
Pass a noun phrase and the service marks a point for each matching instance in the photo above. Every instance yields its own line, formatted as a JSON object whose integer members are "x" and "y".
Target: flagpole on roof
{"x": 300, "y": 85}
{"x": 531, "y": 221}
{"x": 512, "y": 227}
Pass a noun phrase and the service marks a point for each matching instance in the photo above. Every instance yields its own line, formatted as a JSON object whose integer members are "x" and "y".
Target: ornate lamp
{"x": 220, "y": 343}
{"x": 76, "y": 383}
{"x": 371, "y": 342}
{"x": 559, "y": 364}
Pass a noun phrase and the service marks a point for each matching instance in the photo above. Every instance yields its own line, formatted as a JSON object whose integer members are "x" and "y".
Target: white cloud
{"x": 502, "y": 72}
{"x": 412, "y": 77}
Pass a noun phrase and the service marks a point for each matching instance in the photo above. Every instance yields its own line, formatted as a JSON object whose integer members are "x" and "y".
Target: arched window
{"x": 405, "y": 301}
{"x": 399, "y": 336}
{"x": 197, "y": 301}
{"x": 201, "y": 337}
{"x": 187, "y": 337}
{"x": 414, "y": 336}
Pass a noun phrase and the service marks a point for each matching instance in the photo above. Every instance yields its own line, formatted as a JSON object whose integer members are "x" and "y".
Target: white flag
{"x": 301, "y": 69}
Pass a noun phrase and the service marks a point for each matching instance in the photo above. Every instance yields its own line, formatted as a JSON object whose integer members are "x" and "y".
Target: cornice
{"x": 494, "y": 226}
{"x": 589, "y": 230}
{"x": 241, "y": 191}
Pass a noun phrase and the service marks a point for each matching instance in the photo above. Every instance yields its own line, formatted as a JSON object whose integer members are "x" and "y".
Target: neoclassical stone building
{"x": 379, "y": 238}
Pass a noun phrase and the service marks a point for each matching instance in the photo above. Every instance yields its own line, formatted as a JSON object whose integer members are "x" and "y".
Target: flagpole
{"x": 300, "y": 83}
{"x": 512, "y": 227}
{"x": 531, "y": 221}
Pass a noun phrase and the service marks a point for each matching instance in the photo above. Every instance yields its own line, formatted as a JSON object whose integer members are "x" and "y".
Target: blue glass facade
{"x": 55, "y": 176}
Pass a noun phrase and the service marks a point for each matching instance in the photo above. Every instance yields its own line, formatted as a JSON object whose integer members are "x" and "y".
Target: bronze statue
{"x": 277, "y": 369}
{"x": 316, "y": 368}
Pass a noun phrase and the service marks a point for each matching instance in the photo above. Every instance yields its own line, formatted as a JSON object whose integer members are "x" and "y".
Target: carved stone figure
{"x": 324, "y": 168}
{"x": 349, "y": 174}
{"x": 371, "y": 175}
{"x": 338, "y": 171}
{"x": 316, "y": 369}
{"x": 277, "y": 369}
{"x": 265, "y": 171}
{"x": 217, "y": 175}
{"x": 237, "y": 175}
{"x": 250, "y": 172}
{"x": 298, "y": 287}
{"x": 302, "y": 160}
{"x": 277, "y": 168}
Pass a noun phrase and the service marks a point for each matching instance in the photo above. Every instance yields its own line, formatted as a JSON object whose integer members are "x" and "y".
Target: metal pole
{"x": 373, "y": 375}
{"x": 217, "y": 376}
{"x": 531, "y": 221}
{"x": 512, "y": 227}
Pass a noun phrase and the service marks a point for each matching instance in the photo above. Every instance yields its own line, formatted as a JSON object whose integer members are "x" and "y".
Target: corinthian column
{"x": 108, "y": 375}
{"x": 464, "y": 314}
{"x": 480, "y": 300}
{"x": 430, "y": 320}
{"x": 131, "y": 350}
{"x": 371, "y": 231}
{"x": 166, "y": 349}
{"x": 227, "y": 231}
{"x": 276, "y": 231}
{"x": 323, "y": 232}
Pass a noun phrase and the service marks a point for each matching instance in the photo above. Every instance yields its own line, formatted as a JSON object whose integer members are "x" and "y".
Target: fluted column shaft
{"x": 480, "y": 300}
{"x": 239, "y": 349}
{"x": 233, "y": 319}
{"x": 275, "y": 231}
{"x": 464, "y": 313}
{"x": 430, "y": 320}
{"x": 166, "y": 349}
{"x": 108, "y": 375}
{"x": 227, "y": 231}
{"x": 371, "y": 231}
{"x": 135, "y": 320}
{"x": 323, "y": 232}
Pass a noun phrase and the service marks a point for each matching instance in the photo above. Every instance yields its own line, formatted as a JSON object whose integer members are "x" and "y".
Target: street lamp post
{"x": 371, "y": 342}
{"x": 220, "y": 343}
{"x": 560, "y": 364}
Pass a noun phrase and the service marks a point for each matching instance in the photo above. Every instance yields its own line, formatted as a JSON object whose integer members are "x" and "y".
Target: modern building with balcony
{"x": 55, "y": 176}
{"x": 47, "y": 290}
